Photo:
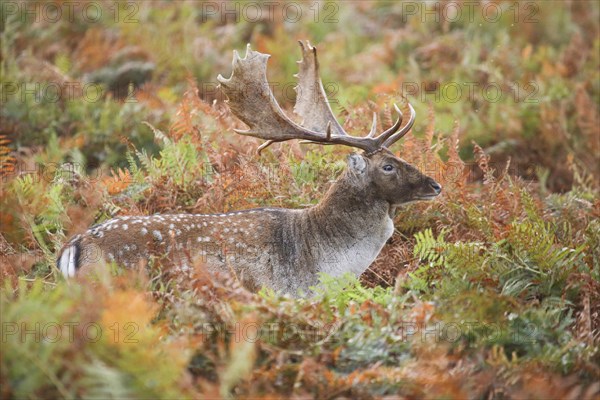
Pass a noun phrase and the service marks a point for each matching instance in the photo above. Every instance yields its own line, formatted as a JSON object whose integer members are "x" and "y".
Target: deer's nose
{"x": 435, "y": 186}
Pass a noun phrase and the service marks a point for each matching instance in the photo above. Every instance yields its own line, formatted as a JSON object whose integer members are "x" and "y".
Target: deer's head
{"x": 391, "y": 178}
{"x": 377, "y": 168}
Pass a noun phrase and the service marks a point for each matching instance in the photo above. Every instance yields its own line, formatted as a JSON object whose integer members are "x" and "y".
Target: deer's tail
{"x": 69, "y": 259}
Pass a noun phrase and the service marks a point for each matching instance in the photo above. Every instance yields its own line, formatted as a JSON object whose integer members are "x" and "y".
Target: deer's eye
{"x": 388, "y": 168}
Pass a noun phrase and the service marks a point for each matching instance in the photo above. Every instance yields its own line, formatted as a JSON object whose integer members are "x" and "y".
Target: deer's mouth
{"x": 433, "y": 190}
{"x": 427, "y": 197}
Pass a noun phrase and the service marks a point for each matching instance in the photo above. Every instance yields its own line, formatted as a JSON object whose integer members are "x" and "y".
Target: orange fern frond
{"x": 7, "y": 162}
{"x": 119, "y": 180}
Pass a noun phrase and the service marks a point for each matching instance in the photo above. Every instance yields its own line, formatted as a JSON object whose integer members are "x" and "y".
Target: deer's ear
{"x": 357, "y": 163}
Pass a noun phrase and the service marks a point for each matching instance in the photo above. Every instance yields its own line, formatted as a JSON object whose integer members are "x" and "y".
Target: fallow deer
{"x": 283, "y": 249}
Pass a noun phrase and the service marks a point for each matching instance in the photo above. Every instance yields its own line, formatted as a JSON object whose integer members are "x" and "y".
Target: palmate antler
{"x": 252, "y": 101}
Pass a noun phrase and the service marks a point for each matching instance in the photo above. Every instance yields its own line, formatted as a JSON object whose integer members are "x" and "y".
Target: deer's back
{"x": 246, "y": 242}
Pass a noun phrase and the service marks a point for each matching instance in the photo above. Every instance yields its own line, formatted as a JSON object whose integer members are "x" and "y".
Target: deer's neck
{"x": 350, "y": 204}
{"x": 352, "y": 225}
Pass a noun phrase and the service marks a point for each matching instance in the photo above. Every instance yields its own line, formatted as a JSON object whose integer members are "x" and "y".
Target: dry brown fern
{"x": 7, "y": 161}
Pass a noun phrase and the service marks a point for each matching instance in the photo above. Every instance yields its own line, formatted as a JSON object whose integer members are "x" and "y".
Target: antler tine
{"x": 392, "y": 129}
{"x": 373, "y": 126}
{"x": 398, "y": 135}
{"x": 264, "y": 146}
{"x": 327, "y": 137}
